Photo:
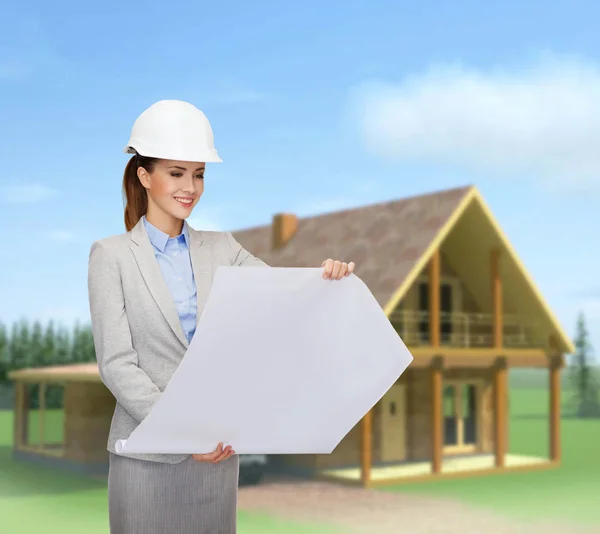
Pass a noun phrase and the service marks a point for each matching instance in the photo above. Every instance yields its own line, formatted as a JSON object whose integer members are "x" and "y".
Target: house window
{"x": 424, "y": 308}
{"x": 446, "y": 309}
{"x": 446, "y": 313}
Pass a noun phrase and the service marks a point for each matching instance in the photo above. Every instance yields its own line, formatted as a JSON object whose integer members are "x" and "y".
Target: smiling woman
{"x": 147, "y": 288}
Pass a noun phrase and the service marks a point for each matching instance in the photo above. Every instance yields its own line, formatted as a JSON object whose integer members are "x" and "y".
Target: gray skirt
{"x": 189, "y": 497}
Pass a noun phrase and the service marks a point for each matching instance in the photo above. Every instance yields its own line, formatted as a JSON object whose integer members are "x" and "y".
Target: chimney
{"x": 283, "y": 229}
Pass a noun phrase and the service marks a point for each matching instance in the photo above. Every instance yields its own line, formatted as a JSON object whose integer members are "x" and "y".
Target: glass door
{"x": 460, "y": 413}
{"x": 449, "y": 415}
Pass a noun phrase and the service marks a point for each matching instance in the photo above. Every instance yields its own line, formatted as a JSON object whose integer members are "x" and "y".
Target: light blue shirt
{"x": 173, "y": 257}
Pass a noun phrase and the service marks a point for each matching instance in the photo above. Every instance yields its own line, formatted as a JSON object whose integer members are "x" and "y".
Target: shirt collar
{"x": 159, "y": 238}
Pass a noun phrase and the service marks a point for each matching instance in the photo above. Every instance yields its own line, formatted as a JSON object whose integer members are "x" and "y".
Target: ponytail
{"x": 135, "y": 193}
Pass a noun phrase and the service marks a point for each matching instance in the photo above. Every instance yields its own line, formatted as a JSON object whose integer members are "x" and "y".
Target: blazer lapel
{"x": 144, "y": 256}
{"x": 202, "y": 265}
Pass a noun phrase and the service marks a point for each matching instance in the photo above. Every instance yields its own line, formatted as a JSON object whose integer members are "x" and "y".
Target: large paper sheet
{"x": 282, "y": 362}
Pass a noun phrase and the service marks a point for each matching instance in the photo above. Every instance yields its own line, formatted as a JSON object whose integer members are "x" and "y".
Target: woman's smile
{"x": 186, "y": 202}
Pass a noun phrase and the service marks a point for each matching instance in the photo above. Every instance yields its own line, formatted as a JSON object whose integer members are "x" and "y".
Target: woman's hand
{"x": 336, "y": 270}
{"x": 218, "y": 455}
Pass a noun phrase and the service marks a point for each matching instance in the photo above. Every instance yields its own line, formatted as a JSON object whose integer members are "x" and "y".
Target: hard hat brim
{"x": 202, "y": 156}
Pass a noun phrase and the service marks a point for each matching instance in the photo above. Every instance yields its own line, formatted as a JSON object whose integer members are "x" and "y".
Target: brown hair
{"x": 135, "y": 193}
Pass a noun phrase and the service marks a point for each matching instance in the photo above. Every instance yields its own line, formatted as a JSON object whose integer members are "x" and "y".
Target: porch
{"x": 68, "y": 423}
{"x": 457, "y": 356}
{"x": 451, "y": 467}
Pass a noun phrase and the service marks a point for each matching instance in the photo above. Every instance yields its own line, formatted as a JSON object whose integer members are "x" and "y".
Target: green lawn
{"x": 569, "y": 492}
{"x": 32, "y": 498}
{"x": 35, "y": 499}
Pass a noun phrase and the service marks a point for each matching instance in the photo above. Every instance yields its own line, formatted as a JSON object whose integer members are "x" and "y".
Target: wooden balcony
{"x": 464, "y": 330}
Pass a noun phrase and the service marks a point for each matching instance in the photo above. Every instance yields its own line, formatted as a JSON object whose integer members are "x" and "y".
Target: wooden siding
{"x": 347, "y": 453}
{"x": 89, "y": 409}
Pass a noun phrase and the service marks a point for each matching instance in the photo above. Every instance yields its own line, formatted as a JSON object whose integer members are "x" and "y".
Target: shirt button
{"x": 179, "y": 278}
{"x": 175, "y": 253}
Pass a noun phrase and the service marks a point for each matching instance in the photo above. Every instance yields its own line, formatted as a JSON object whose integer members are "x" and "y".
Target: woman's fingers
{"x": 226, "y": 453}
{"x": 336, "y": 270}
{"x": 218, "y": 455}
{"x": 337, "y": 267}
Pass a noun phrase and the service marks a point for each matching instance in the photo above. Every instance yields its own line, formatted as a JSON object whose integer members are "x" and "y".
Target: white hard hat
{"x": 172, "y": 129}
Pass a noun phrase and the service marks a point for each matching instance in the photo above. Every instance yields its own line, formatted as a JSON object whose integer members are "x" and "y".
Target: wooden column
{"x": 434, "y": 299}
{"x": 555, "y": 366}
{"x": 366, "y": 448}
{"x": 500, "y": 411}
{"x": 555, "y": 449}
{"x": 436, "y": 365}
{"x": 21, "y": 413}
{"x": 497, "y": 311}
{"x": 437, "y": 422}
{"x": 41, "y": 413}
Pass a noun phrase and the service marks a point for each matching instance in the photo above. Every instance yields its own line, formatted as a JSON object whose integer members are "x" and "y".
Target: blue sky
{"x": 315, "y": 107}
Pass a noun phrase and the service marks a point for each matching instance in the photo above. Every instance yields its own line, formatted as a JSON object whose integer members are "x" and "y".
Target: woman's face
{"x": 174, "y": 186}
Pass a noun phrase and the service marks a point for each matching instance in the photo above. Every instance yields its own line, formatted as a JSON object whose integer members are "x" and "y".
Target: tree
{"x": 49, "y": 345}
{"x": 4, "y": 359}
{"x": 35, "y": 353}
{"x": 89, "y": 349}
{"x": 62, "y": 346}
{"x": 583, "y": 374}
{"x": 19, "y": 345}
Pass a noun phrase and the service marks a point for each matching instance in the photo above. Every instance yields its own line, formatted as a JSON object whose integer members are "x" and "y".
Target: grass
{"x": 53, "y": 426}
{"x": 35, "y": 499}
{"x": 568, "y": 493}
{"x": 32, "y": 498}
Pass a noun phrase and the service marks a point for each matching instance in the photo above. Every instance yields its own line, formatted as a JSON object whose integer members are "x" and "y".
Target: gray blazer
{"x": 138, "y": 338}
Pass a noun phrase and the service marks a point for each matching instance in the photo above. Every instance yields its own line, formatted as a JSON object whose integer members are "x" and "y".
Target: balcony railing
{"x": 464, "y": 329}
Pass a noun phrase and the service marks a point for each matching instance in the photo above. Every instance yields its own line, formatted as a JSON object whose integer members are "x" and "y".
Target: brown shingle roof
{"x": 385, "y": 240}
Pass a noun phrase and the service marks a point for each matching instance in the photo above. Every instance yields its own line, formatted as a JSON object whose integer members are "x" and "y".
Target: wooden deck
{"x": 483, "y": 464}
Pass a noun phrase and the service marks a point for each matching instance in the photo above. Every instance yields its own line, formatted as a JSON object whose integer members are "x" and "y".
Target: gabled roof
{"x": 385, "y": 240}
{"x": 390, "y": 243}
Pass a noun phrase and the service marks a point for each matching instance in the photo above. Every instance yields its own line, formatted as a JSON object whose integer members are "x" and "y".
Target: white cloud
{"x": 543, "y": 121}
{"x": 21, "y": 194}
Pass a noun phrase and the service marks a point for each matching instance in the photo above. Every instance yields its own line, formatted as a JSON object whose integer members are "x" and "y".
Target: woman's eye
{"x": 175, "y": 175}
{"x": 200, "y": 176}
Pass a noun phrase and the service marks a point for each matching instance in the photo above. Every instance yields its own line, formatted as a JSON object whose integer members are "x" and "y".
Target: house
{"x": 453, "y": 288}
